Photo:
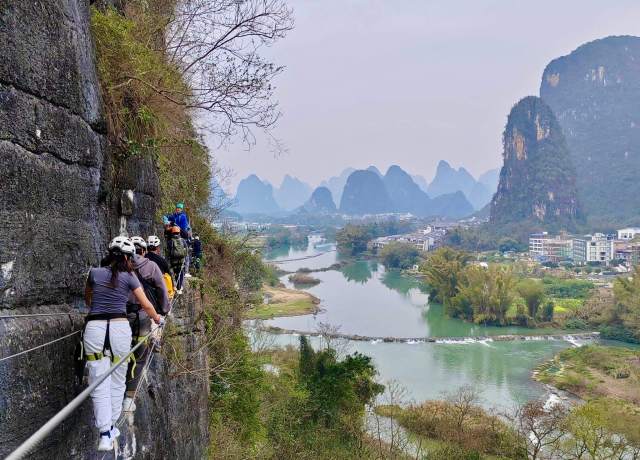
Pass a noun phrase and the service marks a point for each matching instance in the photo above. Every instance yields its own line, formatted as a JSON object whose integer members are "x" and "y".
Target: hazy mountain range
{"x": 451, "y": 193}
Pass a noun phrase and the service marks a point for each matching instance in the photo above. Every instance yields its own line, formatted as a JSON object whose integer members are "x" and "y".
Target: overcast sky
{"x": 411, "y": 82}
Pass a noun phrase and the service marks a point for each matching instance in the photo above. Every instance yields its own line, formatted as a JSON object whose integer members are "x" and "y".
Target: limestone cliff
{"x": 537, "y": 180}
{"x": 64, "y": 195}
{"x": 595, "y": 94}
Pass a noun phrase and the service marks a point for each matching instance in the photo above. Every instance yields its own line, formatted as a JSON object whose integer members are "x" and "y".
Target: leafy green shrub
{"x": 576, "y": 323}
{"x": 618, "y": 332}
{"x": 452, "y": 452}
{"x": 547, "y": 311}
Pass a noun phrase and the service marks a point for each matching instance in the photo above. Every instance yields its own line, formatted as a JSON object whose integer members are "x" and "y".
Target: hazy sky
{"x": 411, "y": 82}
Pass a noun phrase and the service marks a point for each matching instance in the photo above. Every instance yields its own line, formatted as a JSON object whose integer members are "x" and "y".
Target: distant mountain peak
{"x": 292, "y": 193}
{"x": 254, "y": 196}
{"x": 365, "y": 193}
{"x": 320, "y": 202}
{"x": 375, "y": 170}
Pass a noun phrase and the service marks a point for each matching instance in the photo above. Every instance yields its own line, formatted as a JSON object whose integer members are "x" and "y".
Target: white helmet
{"x": 139, "y": 241}
{"x": 123, "y": 244}
{"x": 153, "y": 241}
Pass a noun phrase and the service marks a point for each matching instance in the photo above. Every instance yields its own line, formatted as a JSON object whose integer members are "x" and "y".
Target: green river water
{"x": 363, "y": 298}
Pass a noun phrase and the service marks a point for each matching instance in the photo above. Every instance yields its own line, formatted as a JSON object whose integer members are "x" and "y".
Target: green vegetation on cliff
{"x": 537, "y": 181}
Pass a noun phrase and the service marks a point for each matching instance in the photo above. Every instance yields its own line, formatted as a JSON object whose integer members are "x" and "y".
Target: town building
{"x": 426, "y": 239}
{"x": 628, "y": 233}
{"x": 627, "y": 252}
{"x": 593, "y": 248}
{"x": 547, "y": 248}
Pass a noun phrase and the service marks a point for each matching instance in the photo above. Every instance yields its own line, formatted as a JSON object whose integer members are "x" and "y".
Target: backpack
{"x": 176, "y": 249}
{"x": 150, "y": 290}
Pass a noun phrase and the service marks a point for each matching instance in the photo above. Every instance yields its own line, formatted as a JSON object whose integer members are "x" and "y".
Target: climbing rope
{"x": 33, "y": 315}
{"x": 39, "y": 346}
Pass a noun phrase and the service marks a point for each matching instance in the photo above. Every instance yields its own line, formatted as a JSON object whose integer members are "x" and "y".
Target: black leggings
{"x": 140, "y": 326}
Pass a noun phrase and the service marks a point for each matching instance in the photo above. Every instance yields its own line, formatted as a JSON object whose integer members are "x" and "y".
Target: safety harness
{"x": 107, "y": 344}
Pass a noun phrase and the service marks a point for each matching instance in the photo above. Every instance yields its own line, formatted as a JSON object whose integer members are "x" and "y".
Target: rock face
{"x": 321, "y": 202}
{"x": 365, "y": 193}
{"x": 64, "y": 195}
{"x": 595, "y": 94}
{"x": 52, "y": 151}
{"x": 255, "y": 197}
{"x": 537, "y": 181}
{"x": 292, "y": 193}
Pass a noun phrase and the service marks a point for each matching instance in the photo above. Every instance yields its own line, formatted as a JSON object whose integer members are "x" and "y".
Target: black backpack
{"x": 151, "y": 291}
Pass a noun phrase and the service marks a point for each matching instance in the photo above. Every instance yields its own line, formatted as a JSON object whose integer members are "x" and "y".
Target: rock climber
{"x": 196, "y": 247}
{"x": 177, "y": 251}
{"x": 153, "y": 253}
{"x": 180, "y": 218}
{"x": 152, "y": 281}
{"x": 107, "y": 335}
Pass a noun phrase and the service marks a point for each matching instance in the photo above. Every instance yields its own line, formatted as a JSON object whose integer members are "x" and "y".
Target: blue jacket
{"x": 181, "y": 220}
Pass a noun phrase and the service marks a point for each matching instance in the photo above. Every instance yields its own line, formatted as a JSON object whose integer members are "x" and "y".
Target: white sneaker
{"x": 179, "y": 291}
{"x": 128, "y": 405}
{"x": 115, "y": 432}
{"x": 106, "y": 442}
{"x": 188, "y": 275}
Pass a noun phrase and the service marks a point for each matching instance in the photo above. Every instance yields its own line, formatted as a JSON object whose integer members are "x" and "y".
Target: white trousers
{"x": 107, "y": 397}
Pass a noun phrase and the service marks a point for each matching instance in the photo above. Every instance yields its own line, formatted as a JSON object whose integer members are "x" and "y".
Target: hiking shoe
{"x": 128, "y": 405}
{"x": 115, "y": 432}
{"x": 106, "y": 442}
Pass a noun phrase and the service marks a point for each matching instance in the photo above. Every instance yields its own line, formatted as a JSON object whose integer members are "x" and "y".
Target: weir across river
{"x": 573, "y": 338}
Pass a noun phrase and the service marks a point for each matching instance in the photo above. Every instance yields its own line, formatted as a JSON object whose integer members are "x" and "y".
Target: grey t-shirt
{"x": 106, "y": 298}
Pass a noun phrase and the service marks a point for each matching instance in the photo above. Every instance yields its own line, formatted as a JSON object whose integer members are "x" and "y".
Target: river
{"x": 363, "y": 298}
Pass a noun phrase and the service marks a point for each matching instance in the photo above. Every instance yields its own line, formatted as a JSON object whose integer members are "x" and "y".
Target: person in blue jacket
{"x": 179, "y": 218}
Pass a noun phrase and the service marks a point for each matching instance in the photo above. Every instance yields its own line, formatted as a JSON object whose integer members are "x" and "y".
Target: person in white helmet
{"x": 153, "y": 253}
{"x": 152, "y": 281}
{"x": 107, "y": 335}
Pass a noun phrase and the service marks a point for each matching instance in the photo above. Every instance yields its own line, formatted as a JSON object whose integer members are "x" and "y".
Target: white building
{"x": 594, "y": 248}
{"x": 425, "y": 240}
{"x": 628, "y": 233}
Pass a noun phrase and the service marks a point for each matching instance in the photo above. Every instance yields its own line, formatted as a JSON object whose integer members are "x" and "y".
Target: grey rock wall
{"x": 52, "y": 148}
